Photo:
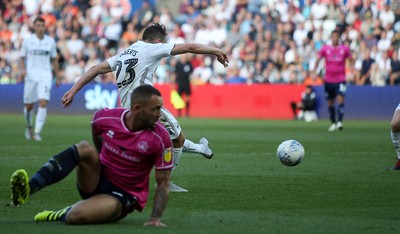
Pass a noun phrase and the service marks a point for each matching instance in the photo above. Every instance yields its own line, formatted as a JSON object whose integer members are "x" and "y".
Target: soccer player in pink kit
{"x": 113, "y": 176}
{"x": 335, "y": 56}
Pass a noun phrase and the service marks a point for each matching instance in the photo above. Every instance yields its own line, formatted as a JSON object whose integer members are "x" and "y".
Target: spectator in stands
{"x": 144, "y": 15}
{"x": 319, "y": 10}
{"x": 365, "y": 72}
{"x": 72, "y": 71}
{"x": 234, "y": 35}
{"x": 203, "y": 73}
{"x": 75, "y": 44}
{"x": 386, "y": 16}
{"x": 113, "y": 32}
{"x": 276, "y": 20}
{"x": 394, "y": 77}
{"x": 234, "y": 76}
{"x": 380, "y": 70}
{"x": 367, "y": 9}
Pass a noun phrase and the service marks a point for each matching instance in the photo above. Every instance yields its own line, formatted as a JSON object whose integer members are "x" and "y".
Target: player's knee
{"x": 76, "y": 216}
{"x": 86, "y": 151}
{"x": 395, "y": 125}
{"x": 178, "y": 142}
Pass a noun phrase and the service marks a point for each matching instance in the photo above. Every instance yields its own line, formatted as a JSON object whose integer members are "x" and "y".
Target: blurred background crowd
{"x": 268, "y": 41}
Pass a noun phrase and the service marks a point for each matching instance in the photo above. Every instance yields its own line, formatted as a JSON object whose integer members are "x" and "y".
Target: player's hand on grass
{"x": 155, "y": 223}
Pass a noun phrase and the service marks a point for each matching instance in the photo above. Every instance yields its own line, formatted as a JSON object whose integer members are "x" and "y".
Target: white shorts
{"x": 36, "y": 90}
{"x": 170, "y": 123}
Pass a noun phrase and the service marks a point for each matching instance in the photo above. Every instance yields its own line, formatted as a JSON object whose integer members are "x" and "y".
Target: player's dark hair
{"x": 154, "y": 32}
{"x": 143, "y": 92}
{"x": 39, "y": 19}
{"x": 336, "y": 31}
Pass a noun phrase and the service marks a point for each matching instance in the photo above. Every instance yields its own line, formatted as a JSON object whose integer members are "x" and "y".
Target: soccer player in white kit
{"x": 135, "y": 66}
{"x": 395, "y": 135}
{"x": 37, "y": 55}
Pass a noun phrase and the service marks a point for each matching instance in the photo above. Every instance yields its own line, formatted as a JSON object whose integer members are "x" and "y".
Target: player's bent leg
{"x": 100, "y": 208}
{"x": 202, "y": 148}
{"x": 395, "y": 123}
{"x": 395, "y": 135}
{"x": 49, "y": 215}
{"x": 89, "y": 168}
{"x": 177, "y": 144}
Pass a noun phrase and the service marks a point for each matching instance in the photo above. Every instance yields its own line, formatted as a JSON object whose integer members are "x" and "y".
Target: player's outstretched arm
{"x": 160, "y": 198}
{"x": 87, "y": 77}
{"x": 196, "y": 48}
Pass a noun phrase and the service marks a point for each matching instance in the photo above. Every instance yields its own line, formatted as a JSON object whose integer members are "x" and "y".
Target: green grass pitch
{"x": 341, "y": 186}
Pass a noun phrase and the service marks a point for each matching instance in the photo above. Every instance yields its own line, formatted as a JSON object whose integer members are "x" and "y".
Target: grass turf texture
{"x": 341, "y": 186}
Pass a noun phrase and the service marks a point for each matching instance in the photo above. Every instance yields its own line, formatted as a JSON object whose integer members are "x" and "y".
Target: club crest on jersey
{"x": 143, "y": 146}
{"x": 168, "y": 155}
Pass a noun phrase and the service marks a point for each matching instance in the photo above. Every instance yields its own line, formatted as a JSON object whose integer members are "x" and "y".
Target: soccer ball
{"x": 290, "y": 153}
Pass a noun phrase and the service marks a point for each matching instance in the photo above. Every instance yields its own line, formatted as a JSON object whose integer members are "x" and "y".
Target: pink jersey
{"x": 128, "y": 157}
{"x": 335, "y": 62}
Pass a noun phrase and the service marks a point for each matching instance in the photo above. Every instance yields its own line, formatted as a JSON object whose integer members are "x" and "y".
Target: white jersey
{"x": 136, "y": 65}
{"x": 38, "y": 54}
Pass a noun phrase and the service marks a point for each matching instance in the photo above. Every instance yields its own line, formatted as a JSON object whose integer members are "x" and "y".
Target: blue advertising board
{"x": 362, "y": 102}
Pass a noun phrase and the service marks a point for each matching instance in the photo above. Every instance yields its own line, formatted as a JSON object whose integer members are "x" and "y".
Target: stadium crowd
{"x": 268, "y": 41}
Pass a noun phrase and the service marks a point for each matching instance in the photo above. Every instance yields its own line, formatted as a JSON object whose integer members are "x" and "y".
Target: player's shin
{"x": 56, "y": 169}
{"x": 28, "y": 115}
{"x": 395, "y": 139}
{"x": 332, "y": 114}
{"x": 40, "y": 119}
{"x": 340, "y": 112}
{"x": 177, "y": 157}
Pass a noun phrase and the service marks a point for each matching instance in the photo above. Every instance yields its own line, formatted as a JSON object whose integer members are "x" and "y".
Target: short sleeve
{"x": 112, "y": 62}
{"x": 161, "y": 50}
{"x": 164, "y": 159}
{"x": 96, "y": 128}
{"x": 53, "y": 49}
{"x": 22, "y": 52}
{"x": 321, "y": 53}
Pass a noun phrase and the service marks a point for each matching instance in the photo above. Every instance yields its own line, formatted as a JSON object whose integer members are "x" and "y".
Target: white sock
{"x": 395, "y": 139}
{"x": 40, "y": 119}
{"x": 177, "y": 157}
{"x": 28, "y": 115}
{"x": 191, "y": 147}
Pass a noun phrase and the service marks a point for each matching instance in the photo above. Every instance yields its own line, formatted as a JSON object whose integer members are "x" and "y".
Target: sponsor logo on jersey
{"x": 110, "y": 133}
{"x": 168, "y": 155}
{"x": 40, "y": 52}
